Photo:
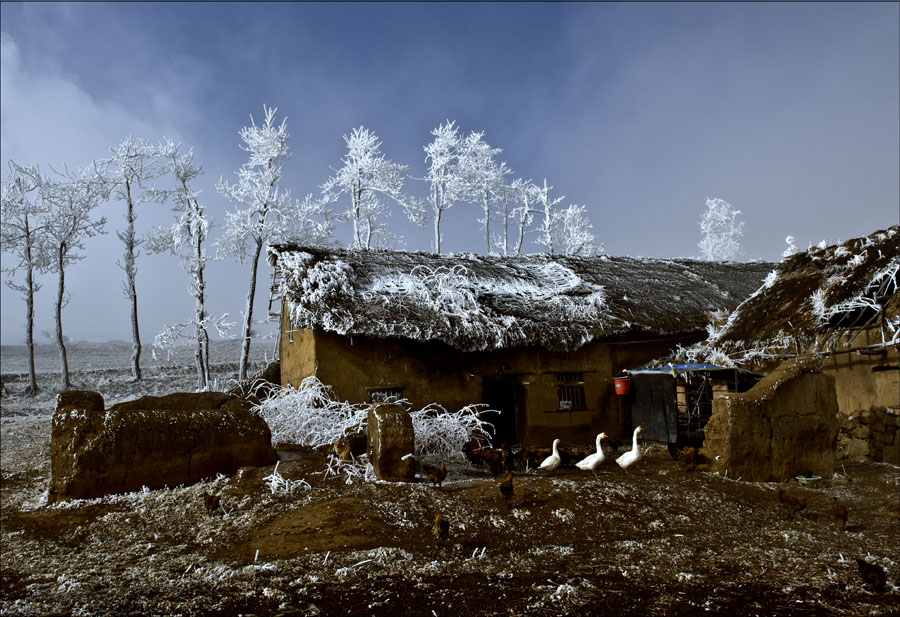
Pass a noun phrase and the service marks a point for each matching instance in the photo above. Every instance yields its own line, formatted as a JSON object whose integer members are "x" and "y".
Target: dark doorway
{"x": 500, "y": 394}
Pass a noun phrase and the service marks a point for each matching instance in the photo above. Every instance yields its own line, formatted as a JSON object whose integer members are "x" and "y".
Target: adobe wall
{"x": 865, "y": 381}
{"x": 867, "y": 388}
{"x": 785, "y": 425}
{"x": 434, "y": 372}
{"x": 297, "y": 352}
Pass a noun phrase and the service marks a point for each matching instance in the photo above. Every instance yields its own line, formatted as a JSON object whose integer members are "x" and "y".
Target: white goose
{"x": 552, "y": 462}
{"x": 591, "y": 462}
{"x": 632, "y": 456}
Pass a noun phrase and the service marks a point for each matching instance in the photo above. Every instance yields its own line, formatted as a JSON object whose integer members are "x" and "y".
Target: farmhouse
{"x": 539, "y": 338}
{"x": 839, "y": 303}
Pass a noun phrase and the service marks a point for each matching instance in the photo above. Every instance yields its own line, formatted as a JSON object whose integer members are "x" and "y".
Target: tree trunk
{"x": 437, "y": 231}
{"x": 248, "y": 315}
{"x": 357, "y": 213}
{"x": 202, "y": 354}
{"x": 131, "y": 276}
{"x": 505, "y": 226}
{"x": 32, "y": 387}
{"x": 64, "y": 382}
{"x": 487, "y": 224}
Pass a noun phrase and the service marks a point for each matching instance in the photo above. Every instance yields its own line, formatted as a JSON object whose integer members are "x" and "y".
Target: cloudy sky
{"x": 640, "y": 111}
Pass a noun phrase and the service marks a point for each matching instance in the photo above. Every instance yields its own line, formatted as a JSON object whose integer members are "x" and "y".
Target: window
{"x": 386, "y": 395}
{"x": 570, "y": 391}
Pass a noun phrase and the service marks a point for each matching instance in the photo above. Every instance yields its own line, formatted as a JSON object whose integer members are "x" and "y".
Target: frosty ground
{"x": 660, "y": 541}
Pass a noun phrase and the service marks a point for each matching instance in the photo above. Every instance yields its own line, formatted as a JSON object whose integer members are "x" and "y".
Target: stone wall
{"x": 867, "y": 436}
{"x": 784, "y": 426}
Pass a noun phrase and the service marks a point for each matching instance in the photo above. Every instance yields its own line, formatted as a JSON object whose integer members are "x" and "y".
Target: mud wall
{"x": 784, "y": 426}
{"x": 865, "y": 379}
{"x": 433, "y": 372}
{"x": 867, "y": 388}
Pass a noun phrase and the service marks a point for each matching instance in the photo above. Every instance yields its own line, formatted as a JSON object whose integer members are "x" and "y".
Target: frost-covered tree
{"x": 187, "y": 238}
{"x": 265, "y": 212}
{"x": 66, "y": 219}
{"x": 573, "y": 232}
{"x": 483, "y": 177}
{"x": 133, "y": 162}
{"x": 566, "y": 231}
{"x": 507, "y": 196}
{"x": 546, "y": 206}
{"x": 525, "y": 194}
{"x": 447, "y": 185}
{"x": 365, "y": 177}
{"x": 21, "y": 236}
{"x": 720, "y": 231}
{"x": 791, "y": 247}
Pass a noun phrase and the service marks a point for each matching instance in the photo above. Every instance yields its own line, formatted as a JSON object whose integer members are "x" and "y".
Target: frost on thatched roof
{"x": 822, "y": 290}
{"x": 472, "y": 302}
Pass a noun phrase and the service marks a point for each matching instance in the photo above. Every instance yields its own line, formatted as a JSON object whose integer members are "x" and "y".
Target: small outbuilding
{"x": 840, "y": 304}
{"x": 538, "y": 338}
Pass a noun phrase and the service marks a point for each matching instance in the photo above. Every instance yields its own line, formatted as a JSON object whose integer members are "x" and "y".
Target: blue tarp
{"x": 675, "y": 369}
{"x": 681, "y": 368}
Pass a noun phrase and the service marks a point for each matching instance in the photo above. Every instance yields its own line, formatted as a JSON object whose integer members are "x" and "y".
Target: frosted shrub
{"x": 443, "y": 434}
{"x": 310, "y": 415}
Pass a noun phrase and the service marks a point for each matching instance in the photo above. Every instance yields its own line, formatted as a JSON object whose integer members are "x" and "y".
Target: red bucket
{"x": 623, "y": 385}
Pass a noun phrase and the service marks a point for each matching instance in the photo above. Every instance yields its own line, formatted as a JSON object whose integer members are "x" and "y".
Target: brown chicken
{"x": 839, "y": 514}
{"x": 689, "y": 459}
{"x": 793, "y": 503}
{"x": 441, "y": 528}
{"x": 342, "y": 449}
{"x": 872, "y": 574}
{"x": 211, "y": 502}
{"x": 506, "y": 488}
{"x": 436, "y": 474}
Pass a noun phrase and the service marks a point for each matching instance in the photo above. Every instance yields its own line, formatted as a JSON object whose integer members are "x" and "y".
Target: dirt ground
{"x": 663, "y": 541}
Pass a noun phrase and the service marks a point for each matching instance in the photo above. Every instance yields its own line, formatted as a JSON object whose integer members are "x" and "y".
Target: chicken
{"x": 509, "y": 461}
{"x": 689, "y": 459}
{"x": 212, "y": 502}
{"x": 872, "y": 574}
{"x": 839, "y": 514}
{"x": 493, "y": 459}
{"x": 342, "y": 449}
{"x": 793, "y": 503}
{"x": 472, "y": 455}
{"x": 436, "y": 475}
{"x": 506, "y": 488}
{"x": 531, "y": 457}
{"x": 441, "y": 528}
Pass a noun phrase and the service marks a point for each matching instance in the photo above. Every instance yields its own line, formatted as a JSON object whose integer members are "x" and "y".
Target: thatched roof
{"x": 472, "y": 302}
{"x": 820, "y": 290}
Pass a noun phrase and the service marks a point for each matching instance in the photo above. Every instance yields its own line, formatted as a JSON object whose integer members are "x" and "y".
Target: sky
{"x": 640, "y": 111}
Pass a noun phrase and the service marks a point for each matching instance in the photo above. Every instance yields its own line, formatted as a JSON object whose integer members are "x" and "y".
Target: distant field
{"x": 117, "y": 354}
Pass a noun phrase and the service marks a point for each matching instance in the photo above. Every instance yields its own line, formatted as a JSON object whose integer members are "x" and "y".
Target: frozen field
{"x": 106, "y": 368}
